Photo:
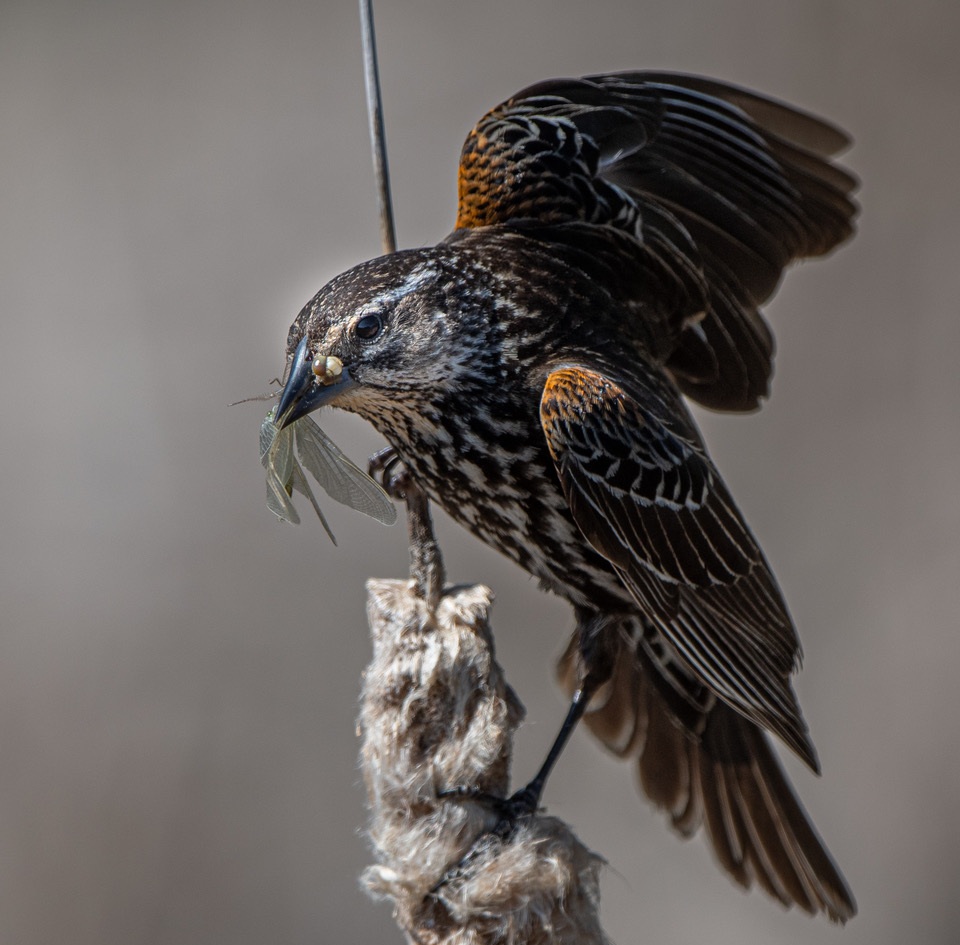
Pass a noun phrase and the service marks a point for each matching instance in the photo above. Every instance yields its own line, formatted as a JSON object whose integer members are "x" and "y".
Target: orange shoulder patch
{"x": 479, "y": 183}
{"x": 571, "y": 393}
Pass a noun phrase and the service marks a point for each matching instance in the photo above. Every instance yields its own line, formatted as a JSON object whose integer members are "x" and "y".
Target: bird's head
{"x": 370, "y": 336}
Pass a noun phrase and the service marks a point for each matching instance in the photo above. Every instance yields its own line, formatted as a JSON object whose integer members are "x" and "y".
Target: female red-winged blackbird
{"x": 614, "y": 239}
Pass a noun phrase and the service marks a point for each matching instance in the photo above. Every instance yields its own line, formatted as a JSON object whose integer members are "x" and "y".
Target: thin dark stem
{"x": 426, "y": 565}
{"x": 378, "y": 140}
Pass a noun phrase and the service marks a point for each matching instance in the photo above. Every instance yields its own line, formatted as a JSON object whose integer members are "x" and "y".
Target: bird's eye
{"x": 367, "y": 327}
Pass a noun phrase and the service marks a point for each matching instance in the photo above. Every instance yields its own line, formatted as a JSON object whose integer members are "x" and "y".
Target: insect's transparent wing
{"x": 268, "y": 433}
{"x": 276, "y": 454}
{"x": 278, "y": 501}
{"x": 300, "y": 484}
{"x": 339, "y": 476}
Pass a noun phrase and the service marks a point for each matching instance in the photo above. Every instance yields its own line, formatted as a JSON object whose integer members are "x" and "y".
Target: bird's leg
{"x": 525, "y": 802}
{"x": 597, "y": 659}
{"x": 426, "y": 562}
{"x": 596, "y": 633}
{"x": 527, "y": 799}
{"x": 597, "y": 656}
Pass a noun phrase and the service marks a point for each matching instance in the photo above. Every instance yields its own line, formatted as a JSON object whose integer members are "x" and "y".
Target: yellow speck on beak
{"x": 328, "y": 369}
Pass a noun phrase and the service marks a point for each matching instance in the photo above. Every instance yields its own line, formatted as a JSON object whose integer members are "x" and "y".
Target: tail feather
{"x": 722, "y": 775}
{"x": 664, "y": 768}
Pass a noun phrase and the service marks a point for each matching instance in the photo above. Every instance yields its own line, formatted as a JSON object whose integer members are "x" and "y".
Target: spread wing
{"x": 650, "y": 501}
{"x": 716, "y": 190}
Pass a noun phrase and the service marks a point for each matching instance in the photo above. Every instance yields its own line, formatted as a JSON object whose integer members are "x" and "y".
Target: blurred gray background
{"x": 179, "y": 672}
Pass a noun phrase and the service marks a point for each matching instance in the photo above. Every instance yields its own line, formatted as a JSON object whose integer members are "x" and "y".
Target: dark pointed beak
{"x": 305, "y": 391}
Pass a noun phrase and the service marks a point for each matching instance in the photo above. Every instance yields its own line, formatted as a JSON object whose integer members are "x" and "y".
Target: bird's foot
{"x": 387, "y": 469}
{"x": 426, "y": 562}
{"x": 510, "y": 811}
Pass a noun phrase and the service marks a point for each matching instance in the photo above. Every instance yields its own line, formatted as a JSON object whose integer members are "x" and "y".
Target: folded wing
{"x": 649, "y": 500}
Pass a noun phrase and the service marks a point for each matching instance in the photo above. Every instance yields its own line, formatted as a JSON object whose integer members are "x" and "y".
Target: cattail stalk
{"x": 437, "y": 715}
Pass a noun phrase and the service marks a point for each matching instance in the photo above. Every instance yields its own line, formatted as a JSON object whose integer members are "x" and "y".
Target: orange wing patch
{"x": 486, "y": 179}
{"x": 477, "y": 183}
{"x": 508, "y": 172}
{"x": 570, "y": 394}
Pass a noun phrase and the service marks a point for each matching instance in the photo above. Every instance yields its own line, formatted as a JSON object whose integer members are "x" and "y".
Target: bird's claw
{"x": 389, "y": 471}
{"x": 510, "y": 811}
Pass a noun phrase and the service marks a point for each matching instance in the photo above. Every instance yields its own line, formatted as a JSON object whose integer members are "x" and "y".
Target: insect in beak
{"x": 311, "y": 385}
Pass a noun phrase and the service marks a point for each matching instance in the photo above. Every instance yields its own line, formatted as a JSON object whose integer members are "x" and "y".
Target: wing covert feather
{"x": 651, "y": 502}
